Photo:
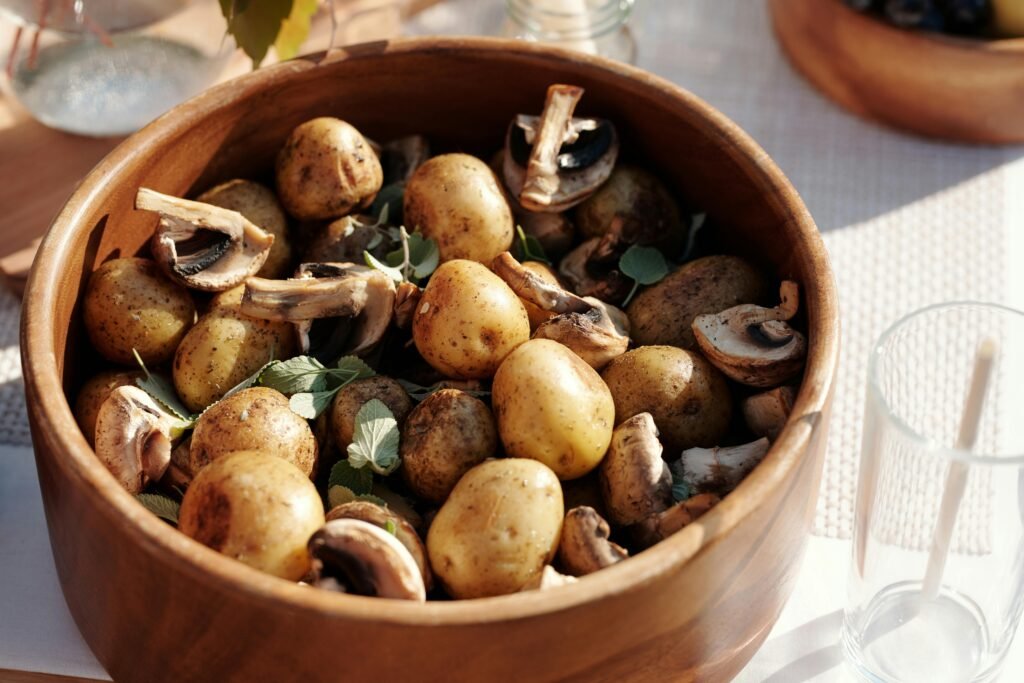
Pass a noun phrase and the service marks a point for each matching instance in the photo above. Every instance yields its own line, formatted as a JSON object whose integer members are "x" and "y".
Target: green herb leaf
{"x": 423, "y": 256}
{"x": 255, "y": 25}
{"x": 246, "y": 383}
{"x": 370, "y": 498}
{"x": 310, "y": 405}
{"x": 375, "y": 439}
{"x": 390, "y": 527}
{"x": 646, "y": 265}
{"x": 162, "y": 391}
{"x": 295, "y": 29}
{"x": 359, "y": 481}
{"x": 161, "y": 506}
{"x": 393, "y": 273}
{"x": 295, "y": 375}
{"x": 339, "y": 495}
{"x": 355, "y": 365}
{"x": 389, "y": 199}
{"x": 418, "y": 392}
{"x": 530, "y": 248}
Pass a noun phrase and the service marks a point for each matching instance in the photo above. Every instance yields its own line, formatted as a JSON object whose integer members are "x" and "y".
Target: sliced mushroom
{"x": 401, "y": 157}
{"x": 357, "y": 304}
{"x": 766, "y": 413}
{"x": 635, "y": 481}
{"x": 662, "y": 525}
{"x": 134, "y": 436}
{"x": 585, "y": 546}
{"x": 549, "y": 578}
{"x": 555, "y": 161}
{"x": 588, "y": 277}
{"x": 752, "y": 344}
{"x": 720, "y": 469}
{"x": 353, "y": 556}
{"x": 595, "y": 331}
{"x": 203, "y": 246}
{"x": 381, "y": 516}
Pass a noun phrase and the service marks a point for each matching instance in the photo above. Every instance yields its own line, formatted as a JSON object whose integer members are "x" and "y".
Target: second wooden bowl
{"x": 155, "y": 605}
{"x": 957, "y": 89}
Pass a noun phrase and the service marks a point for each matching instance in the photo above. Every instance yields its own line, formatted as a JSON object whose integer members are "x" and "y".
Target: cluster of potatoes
{"x": 531, "y": 461}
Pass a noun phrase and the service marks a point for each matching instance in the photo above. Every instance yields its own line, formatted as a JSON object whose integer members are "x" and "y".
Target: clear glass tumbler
{"x": 897, "y": 627}
{"x": 593, "y": 26}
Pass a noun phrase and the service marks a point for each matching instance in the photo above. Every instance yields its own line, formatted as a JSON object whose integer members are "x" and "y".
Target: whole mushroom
{"x": 660, "y": 526}
{"x": 635, "y": 482}
{"x": 720, "y": 469}
{"x": 766, "y": 413}
{"x": 585, "y": 546}
{"x": 353, "y": 556}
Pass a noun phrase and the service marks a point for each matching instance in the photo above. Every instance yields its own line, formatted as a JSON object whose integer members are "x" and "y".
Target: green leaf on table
{"x": 295, "y": 29}
{"x": 375, "y": 439}
{"x": 646, "y": 265}
{"x": 529, "y": 248}
{"x": 255, "y": 25}
{"x": 295, "y": 375}
{"x": 392, "y": 272}
{"x": 339, "y": 495}
{"x": 359, "y": 481}
{"x": 161, "y": 506}
{"x": 162, "y": 391}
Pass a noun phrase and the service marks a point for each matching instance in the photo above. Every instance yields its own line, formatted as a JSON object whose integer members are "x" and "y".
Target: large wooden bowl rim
{"x": 56, "y": 425}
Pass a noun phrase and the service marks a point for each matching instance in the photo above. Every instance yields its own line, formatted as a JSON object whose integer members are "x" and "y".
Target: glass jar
{"x": 593, "y": 26}
{"x": 108, "y": 67}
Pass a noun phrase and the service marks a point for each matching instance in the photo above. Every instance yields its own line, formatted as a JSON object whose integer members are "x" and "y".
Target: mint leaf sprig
{"x": 645, "y": 265}
{"x": 375, "y": 439}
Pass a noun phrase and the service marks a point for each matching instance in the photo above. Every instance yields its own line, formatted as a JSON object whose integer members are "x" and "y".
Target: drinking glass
{"x": 897, "y": 627}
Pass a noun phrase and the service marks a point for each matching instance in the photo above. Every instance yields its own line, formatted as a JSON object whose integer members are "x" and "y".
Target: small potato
{"x": 498, "y": 528}
{"x": 129, "y": 304}
{"x": 257, "y": 418}
{"x": 92, "y": 395}
{"x": 664, "y": 312}
{"x": 444, "y": 437}
{"x": 351, "y": 398}
{"x": 259, "y": 204}
{"x": 539, "y": 315}
{"x": 256, "y": 508}
{"x": 326, "y": 169}
{"x": 553, "y": 407}
{"x": 687, "y": 397}
{"x": 224, "y": 348}
{"x": 468, "y": 320}
{"x": 457, "y": 200}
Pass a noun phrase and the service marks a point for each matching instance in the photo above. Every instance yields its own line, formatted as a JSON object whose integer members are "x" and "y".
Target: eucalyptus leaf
{"x": 310, "y": 404}
{"x": 646, "y": 265}
{"x": 423, "y": 256}
{"x": 393, "y": 273}
{"x": 339, "y": 495}
{"x": 389, "y": 199}
{"x": 375, "y": 439}
{"x": 295, "y": 375}
{"x": 161, "y": 506}
{"x": 359, "y": 481}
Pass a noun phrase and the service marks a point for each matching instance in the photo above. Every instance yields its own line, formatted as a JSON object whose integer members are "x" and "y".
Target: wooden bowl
{"x": 959, "y": 89}
{"x": 156, "y": 606}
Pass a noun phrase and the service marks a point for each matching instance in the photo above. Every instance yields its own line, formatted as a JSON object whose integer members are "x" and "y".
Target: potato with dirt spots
{"x": 553, "y": 407}
{"x": 129, "y": 304}
{"x": 445, "y": 436}
{"x": 256, "y": 508}
{"x": 257, "y": 418}
{"x": 259, "y": 204}
{"x": 327, "y": 169}
{"x": 352, "y": 397}
{"x": 686, "y": 395}
{"x": 468, "y": 320}
{"x": 224, "y": 348}
{"x": 664, "y": 312}
{"x": 94, "y": 392}
{"x": 456, "y": 200}
{"x": 498, "y": 528}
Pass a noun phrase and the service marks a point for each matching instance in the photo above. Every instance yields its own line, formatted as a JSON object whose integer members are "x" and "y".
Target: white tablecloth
{"x": 907, "y": 222}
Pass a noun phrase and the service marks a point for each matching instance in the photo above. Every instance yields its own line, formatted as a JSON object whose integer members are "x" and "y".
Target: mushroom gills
{"x": 202, "y": 246}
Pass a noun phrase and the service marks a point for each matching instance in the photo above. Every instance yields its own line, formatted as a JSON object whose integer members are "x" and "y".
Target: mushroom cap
{"x": 606, "y": 283}
{"x": 585, "y": 546}
{"x": 379, "y": 516}
{"x": 353, "y": 556}
{"x": 635, "y": 481}
{"x": 204, "y": 247}
{"x": 134, "y": 436}
{"x": 766, "y": 413}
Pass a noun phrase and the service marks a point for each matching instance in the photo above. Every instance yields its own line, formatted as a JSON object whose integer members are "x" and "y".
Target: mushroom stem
{"x": 757, "y": 316}
{"x": 533, "y": 288}
{"x": 720, "y": 469}
{"x": 549, "y": 578}
{"x": 662, "y": 525}
{"x": 542, "y": 169}
{"x": 635, "y": 481}
{"x": 304, "y": 298}
{"x": 585, "y": 546}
